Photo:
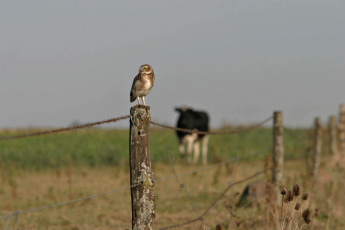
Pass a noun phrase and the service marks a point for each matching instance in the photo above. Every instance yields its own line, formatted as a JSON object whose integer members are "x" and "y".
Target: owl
{"x": 142, "y": 83}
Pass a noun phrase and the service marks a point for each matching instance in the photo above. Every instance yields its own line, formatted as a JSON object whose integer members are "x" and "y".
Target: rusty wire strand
{"x": 15, "y": 213}
{"x": 46, "y": 132}
{"x": 21, "y": 212}
{"x": 232, "y": 215}
{"x": 214, "y": 133}
{"x": 63, "y": 203}
{"x": 90, "y": 124}
{"x": 201, "y": 217}
{"x": 292, "y": 134}
{"x": 217, "y": 164}
{"x": 182, "y": 185}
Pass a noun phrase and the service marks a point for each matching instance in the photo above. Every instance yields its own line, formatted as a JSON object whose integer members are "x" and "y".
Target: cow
{"x": 191, "y": 119}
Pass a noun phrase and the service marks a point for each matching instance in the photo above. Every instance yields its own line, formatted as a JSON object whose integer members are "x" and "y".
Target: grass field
{"x": 46, "y": 170}
{"x": 100, "y": 147}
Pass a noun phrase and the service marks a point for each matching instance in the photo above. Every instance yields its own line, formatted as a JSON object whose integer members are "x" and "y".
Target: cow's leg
{"x": 190, "y": 141}
{"x": 196, "y": 151}
{"x": 204, "y": 149}
{"x": 181, "y": 148}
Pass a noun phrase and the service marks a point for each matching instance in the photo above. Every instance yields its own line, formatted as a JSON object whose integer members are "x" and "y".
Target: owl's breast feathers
{"x": 142, "y": 85}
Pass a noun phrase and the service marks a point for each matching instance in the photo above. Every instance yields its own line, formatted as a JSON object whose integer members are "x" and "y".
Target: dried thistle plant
{"x": 296, "y": 190}
{"x": 297, "y": 206}
{"x": 305, "y": 196}
{"x": 289, "y": 196}
{"x": 218, "y": 227}
{"x": 283, "y": 192}
{"x": 293, "y": 212}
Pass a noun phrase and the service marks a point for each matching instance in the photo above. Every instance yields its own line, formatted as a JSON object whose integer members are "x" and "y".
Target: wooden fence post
{"x": 332, "y": 136}
{"x": 278, "y": 150}
{"x": 141, "y": 176}
{"x": 341, "y": 129}
{"x": 317, "y": 148}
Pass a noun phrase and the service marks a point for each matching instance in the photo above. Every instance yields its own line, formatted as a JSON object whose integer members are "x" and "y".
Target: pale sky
{"x": 239, "y": 60}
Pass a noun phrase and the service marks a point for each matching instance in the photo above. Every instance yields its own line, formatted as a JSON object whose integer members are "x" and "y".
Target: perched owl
{"x": 142, "y": 83}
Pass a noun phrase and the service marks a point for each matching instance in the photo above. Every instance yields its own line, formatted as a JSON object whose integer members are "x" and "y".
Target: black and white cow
{"x": 190, "y": 119}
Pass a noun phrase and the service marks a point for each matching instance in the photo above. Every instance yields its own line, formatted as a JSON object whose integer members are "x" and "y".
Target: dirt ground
{"x": 27, "y": 190}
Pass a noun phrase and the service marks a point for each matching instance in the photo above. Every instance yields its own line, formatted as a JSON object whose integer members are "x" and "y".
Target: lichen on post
{"x": 278, "y": 151}
{"x": 141, "y": 176}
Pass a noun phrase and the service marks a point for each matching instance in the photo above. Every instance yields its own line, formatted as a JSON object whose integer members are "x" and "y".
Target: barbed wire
{"x": 214, "y": 132}
{"x": 231, "y": 215}
{"x": 182, "y": 185}
{"x": 63, "y": 203}
{"x": 82, "y": 126}
{"x": 201, "y": 217}
{"x": 87, "y": 125}
{"x": 259, "y": 152}
{"x": 15, "y": 213}
{"x": 91, "y": 124}
{"x": 292, "y": 134}
{"x": 22, "y": 212}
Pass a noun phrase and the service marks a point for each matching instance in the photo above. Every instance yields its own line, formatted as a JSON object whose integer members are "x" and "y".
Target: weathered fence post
{"x": 332, "y": 136}
{"x": 278, "y": 150}
{"x": 341, "y": 129}
{"x": 316, "y": 148}
{"x": 141, "y": 176}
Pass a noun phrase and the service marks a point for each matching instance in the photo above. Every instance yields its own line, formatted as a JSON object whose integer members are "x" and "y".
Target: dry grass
{"x": 21, "y": 190}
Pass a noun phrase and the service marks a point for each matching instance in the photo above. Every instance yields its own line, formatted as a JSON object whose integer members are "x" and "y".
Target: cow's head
{"x": 182, "y": 109}
{"x": 185, "y": 119}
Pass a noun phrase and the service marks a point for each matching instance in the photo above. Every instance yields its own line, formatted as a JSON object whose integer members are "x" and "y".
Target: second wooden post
{"x": 342, "y": 130}
{"x": 278, "y": 150}
{"x": 317, "y": 148}
{"x": 332, "y": 136}
{"x": 141, "y": 176}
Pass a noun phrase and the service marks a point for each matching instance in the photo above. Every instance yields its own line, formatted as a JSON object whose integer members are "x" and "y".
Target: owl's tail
{"x": 132, "y": 97}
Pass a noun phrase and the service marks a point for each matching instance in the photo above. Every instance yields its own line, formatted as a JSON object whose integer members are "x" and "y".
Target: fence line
{"x": 201, "y": 217}
{"x": 9, "y": 219}
{"x": 214, "y": 133}
{"x": 86, "y": 125}
{"x": 18, "y": 212}
{"x": 182, "y": 185}
{"x": 198, "y": 217}
{"x": 63, "y": 203}
{"x": 218, "y": 164}
{"x": 233, "y": 215}
{"x": 91, "y": 124}
{"x": 292, "y": 134}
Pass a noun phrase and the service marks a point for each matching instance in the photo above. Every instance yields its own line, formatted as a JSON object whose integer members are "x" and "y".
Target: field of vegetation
{"x": 109, "y": 147}
{"x": 45, "y": 170}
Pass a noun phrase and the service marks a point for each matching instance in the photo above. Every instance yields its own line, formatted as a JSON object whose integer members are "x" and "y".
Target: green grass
{"x": 100, "y": 147}
{"x": 39, "y": 171}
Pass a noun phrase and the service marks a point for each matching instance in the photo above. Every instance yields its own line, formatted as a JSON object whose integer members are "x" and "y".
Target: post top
{"x": 317, "y": 121}
{"x": 140, "y": 106}
{"x": 342, "y": 108}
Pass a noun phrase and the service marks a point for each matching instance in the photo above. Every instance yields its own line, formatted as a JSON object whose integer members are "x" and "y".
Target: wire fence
{"x": 83, "y": 126}
{"x": 213, "y": 132}
{"x": 17, "y": 213}
{"x": 113, "y": 120}
{"x": 199, "y": 217}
